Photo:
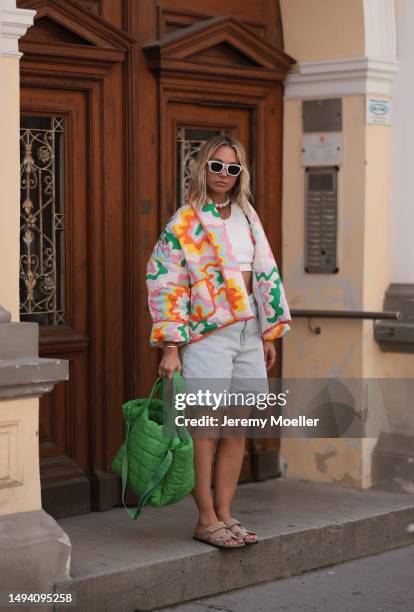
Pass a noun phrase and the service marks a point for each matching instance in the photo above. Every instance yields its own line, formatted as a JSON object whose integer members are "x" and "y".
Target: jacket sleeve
{"x": 168, "y": 287}
{"x": 276, "y": 315}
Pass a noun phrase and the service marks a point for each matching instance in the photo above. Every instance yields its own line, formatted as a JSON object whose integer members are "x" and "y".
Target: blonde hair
{"x": 197, "y": 186}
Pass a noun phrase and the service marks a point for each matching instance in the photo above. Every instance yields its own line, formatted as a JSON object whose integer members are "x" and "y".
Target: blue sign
{"x": 378, "y": 110}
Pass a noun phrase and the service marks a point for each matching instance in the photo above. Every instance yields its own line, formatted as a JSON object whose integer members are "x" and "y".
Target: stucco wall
{"x": 323, "y": 29}
{"x": 337, "y": 351}
{"x": 330, "y": 30}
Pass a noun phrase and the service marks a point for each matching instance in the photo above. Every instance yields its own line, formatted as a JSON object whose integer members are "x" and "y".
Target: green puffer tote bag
{"x": 156, "y": 457}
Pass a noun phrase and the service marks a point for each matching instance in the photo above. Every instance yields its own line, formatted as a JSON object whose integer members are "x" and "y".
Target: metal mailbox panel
{"x": 321, "y": 220}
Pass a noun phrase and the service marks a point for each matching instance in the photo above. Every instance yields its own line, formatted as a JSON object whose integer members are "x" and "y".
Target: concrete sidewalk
{"x": 124, "y": 565}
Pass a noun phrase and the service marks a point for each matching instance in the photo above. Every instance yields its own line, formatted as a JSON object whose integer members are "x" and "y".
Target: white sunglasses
{"x": 218, "y": 166}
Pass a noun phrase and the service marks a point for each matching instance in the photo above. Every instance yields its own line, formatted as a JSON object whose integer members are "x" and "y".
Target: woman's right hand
{"x": 169, "y": 363}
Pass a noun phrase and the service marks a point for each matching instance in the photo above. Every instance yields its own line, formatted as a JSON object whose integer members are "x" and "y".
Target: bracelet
{"x": 170, "y": 346}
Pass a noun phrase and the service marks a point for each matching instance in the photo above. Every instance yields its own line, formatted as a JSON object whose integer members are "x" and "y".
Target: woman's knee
{"x": 204, "y": 442}
{"x": 237, "y": 439}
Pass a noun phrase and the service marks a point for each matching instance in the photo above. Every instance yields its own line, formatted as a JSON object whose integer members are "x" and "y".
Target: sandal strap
{"x": 240, "y": 531}
{"x": 215, "y": 527}
{"x": 212, "y": 534}
{"x": 232, "y": 522}
{"x": 247, "y": 532}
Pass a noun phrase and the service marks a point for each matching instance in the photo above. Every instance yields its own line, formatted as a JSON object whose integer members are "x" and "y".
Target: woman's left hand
{"x": 269, "y": 353}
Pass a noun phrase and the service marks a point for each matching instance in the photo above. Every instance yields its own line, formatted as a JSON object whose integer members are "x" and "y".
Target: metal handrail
{"x": 342, "y": 314}
{"x": 346, "y": 314}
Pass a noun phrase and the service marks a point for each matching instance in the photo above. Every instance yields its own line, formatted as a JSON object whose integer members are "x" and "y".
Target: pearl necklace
{"x": 226, "y": 203}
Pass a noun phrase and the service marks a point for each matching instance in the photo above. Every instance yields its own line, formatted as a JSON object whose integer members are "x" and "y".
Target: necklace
{"x": 225, "y": 203}
{"x": 224, "y": 215}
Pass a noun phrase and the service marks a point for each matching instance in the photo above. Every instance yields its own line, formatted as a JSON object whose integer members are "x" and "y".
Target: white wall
{"x": 402, "y": 152}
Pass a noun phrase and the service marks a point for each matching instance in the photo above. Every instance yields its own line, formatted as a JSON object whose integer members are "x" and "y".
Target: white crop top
{"x": 238, "y": 231}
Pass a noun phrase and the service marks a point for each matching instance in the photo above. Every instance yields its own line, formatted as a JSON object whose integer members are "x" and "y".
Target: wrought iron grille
{"x": 189, "y": 140}
{"x": 42, "y": 230}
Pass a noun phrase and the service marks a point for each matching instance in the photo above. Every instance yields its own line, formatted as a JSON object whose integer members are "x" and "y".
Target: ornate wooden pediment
{"x": 219, "y": 46}
{"x": 68, "y": 29}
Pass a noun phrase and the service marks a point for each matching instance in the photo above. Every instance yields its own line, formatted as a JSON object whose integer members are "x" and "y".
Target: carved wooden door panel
{"x": 73, "y": 209}
{"x": 54, "y": 281}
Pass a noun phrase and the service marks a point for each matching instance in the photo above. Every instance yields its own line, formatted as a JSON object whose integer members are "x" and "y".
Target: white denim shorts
{"x": 229, "y": 359}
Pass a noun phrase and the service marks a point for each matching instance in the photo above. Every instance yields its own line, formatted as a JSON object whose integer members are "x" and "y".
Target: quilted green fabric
{"x": 158, "y": 468}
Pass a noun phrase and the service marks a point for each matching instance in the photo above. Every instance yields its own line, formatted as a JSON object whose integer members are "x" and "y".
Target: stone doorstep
{"x": 124, "y": 565}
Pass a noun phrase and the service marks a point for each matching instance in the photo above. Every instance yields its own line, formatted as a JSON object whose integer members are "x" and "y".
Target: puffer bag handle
{"x": 171, "y": 428}
{"x": 155, "y": 479}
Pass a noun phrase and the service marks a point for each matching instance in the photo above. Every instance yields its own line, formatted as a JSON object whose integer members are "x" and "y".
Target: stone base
{"x": 393, "y": 463}
{"x": 35, "y": 552}
{"x": 265, "y": 464}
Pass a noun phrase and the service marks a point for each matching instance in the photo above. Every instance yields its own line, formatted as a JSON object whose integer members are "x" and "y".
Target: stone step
{"x": 125, "y": 565}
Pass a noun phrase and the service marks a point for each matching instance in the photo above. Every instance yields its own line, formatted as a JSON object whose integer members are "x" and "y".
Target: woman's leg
{"x": 203, "y": 460}
{"x": 227, "y": 468}
{"x": 207, "y": 365}
{"x": 247, "y": 366}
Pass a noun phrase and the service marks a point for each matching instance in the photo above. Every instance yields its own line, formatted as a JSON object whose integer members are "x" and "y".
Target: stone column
{"x": 35, "y": 551}
{"x": 358, "y": 65}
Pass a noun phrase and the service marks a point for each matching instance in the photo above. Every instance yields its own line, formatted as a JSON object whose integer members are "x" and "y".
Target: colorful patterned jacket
{"x": 195, "y": 284}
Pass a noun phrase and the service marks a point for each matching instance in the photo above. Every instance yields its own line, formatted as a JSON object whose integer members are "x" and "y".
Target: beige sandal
{"x": 218, "y": 535}
{"x": 240, "y": 531}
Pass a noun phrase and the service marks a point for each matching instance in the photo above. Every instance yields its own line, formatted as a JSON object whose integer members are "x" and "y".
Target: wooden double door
{"x": 113, "y": 107}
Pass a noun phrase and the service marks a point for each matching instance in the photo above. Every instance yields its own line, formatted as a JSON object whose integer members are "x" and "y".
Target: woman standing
{"x": 217, "y": 304}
